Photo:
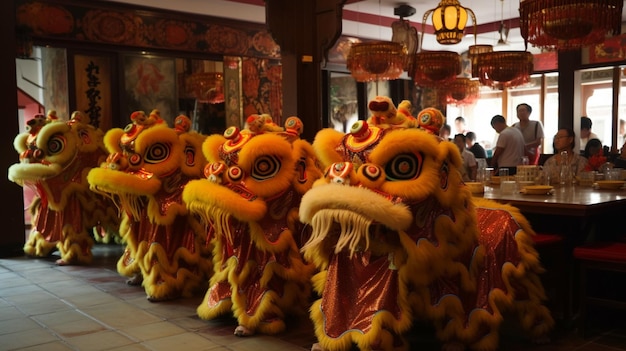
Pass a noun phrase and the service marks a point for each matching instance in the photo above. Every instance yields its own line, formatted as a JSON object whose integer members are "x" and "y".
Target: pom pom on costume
{"x": 147, "y": 168}
{"x": 55, "y": 157}
{"x": 384, "y": 112}
{"x": 393, "y": 215}
{"x": 431, "y": 120}
{"x": 254, "y": 182}
{"x": 261, "y": 123}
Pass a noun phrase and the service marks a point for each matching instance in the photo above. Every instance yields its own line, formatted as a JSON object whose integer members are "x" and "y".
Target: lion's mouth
{"x": 340, "y": 230}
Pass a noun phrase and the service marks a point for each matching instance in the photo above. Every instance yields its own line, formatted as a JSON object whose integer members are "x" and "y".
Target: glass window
{"x": 478, "y": 115}
{"x": 597, "y": 104}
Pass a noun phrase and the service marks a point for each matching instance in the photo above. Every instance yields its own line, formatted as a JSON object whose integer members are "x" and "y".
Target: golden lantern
{"x": 449, "y": 20}
{"x": 434, "y": 68}
{"x": 569, "y": 24}
{"x": 377, "y": 60}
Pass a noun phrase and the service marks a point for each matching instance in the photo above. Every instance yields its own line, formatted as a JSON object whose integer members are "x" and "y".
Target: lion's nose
{"x": 340, "y": 173}
{"x": 117, "y": 162}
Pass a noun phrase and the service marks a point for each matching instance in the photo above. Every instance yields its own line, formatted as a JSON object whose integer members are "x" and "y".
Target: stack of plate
{"x": 610, "y": 184}
{"x": 537, "y": 189}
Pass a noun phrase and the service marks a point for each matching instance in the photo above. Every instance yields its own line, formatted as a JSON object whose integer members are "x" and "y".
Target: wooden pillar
{"x": 12, "y": 214}
{"x": 568, "y": 62}
{"x": 305, "y": 31}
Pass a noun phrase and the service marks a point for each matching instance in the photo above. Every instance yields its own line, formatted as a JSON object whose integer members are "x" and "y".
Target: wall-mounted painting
{"x": 150, "y": 83}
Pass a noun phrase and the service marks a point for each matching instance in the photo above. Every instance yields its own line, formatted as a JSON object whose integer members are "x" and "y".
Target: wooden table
{"x": 577, "y": 201}
{"x": 579, "y": 214}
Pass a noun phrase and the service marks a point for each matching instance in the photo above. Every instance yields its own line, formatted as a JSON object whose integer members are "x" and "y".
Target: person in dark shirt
{"x": 620, "y": 160}
{"x": 473, "y": 146}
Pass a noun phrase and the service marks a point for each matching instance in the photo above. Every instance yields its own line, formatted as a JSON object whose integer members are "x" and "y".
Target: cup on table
{"x": 586, "y": 178}
{"x": 508, "y": 186}
{"x": 503, "y": 173}
{"x": 613, "y": 174}
{"x": 488, "y": 174}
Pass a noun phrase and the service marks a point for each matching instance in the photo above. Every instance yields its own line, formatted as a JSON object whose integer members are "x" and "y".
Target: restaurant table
{"x": 580, "y": 214}
{"x": 575, "y": 200}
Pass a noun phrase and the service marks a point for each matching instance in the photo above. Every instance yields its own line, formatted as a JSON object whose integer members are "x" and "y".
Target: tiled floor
{"x": 49, "y": 307}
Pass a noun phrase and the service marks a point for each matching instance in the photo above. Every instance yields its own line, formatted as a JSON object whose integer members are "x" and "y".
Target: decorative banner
{"x": 232, "y": 91}
{"x": 109, "y": 23}
{"x": 92, "y": 84}
{"x": 613, "y": 49}
{"x": 261, "y": 88}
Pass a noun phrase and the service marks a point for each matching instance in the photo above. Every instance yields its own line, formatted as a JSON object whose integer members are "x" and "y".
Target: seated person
{"x": 474, "y": 147}
{"x": 620, "y": 160}
{"x": 593, "y": 147}
{"x": 470, "y": 165}
{"x": 564, "y": 141}
{"x": 596, "y": 155}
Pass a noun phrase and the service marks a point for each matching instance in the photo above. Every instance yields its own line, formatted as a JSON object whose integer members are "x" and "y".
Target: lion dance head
{"x": 253, "y": 184}
{"x": 55, "y": 157}
{"x": 393, "y": 214}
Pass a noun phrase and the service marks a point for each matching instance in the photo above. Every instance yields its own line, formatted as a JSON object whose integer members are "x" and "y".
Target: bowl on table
{"x": 524, "y": 183}
{"x": 610, "y": 184}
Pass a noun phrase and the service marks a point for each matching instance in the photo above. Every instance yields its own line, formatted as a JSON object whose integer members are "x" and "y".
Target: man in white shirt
{"x": 585, "y": 132}
{"x": 532, "y": 132}
{"x": 510, "y": 146}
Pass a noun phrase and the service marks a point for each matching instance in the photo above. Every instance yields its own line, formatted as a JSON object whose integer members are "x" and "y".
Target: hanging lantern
{"x": 504, "y": 69}
{"x": 449, "y": 20}
{"x": 569, "y": 24}
{"x": 378, "y": 60}
{"x": 461, "y": 91}
{"x": 473, "y": 53}
{"x": 435, "y": 68}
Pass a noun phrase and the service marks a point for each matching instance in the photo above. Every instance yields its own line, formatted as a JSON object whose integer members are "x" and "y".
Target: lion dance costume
{"x": 397, "y": 237}
{"x": 255, "y": 180}
{"x": 55, "y": 157}
{"x": 148, "y": 165}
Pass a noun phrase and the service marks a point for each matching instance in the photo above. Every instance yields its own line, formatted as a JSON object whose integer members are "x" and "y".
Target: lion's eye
{"x": 404, "y": 167}
{"x": 265, "y": 167}
{"x": 157, "y": 153}
{"x": 56, "y": 144}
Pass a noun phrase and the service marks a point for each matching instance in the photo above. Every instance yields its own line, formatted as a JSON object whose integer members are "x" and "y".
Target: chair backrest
{"x": 543, "y": 158}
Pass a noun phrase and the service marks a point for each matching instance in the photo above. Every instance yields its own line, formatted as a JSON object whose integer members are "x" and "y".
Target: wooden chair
{"x": 552, "y": 254}
{"x": 596, "y": 258}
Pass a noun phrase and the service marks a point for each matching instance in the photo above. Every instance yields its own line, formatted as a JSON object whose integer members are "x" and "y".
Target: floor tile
{"x": 47, "y": 307}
